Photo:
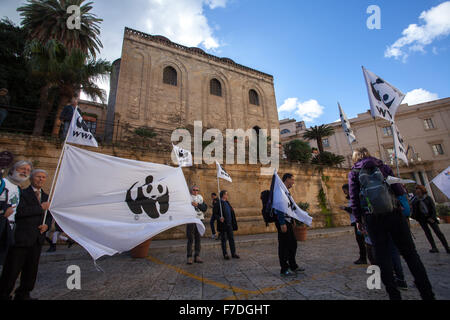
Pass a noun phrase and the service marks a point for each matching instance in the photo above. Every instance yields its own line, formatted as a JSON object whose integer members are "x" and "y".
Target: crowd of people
{"x": 380, "y": 220}
{"x": 23, "y": 230}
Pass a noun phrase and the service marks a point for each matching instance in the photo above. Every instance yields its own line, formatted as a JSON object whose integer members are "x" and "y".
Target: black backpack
{"x": 376, "y": 196}
{"x": 267, "y": 211}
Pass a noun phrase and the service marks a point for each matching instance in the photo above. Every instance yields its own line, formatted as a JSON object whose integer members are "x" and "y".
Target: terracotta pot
{"x": 141, "y": 251}
{"x": 300, "y": 233}
{"x": 446, "y": 219}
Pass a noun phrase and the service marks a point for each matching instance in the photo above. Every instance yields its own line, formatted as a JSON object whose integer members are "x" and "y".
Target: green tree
{"x": 65, "y": 74}
{"x": 318, "y": 133}
{"x": 46, "y": 20}
{"x": 14, "y": 73}
{"x": 328, "y": 159}
{"x": 298, "y": 150}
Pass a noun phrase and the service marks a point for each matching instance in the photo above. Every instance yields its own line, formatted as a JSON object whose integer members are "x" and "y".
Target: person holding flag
{"x": 66, "y": 117}
{"x": 286, "y": 210}
{"x": 226, "y": 224}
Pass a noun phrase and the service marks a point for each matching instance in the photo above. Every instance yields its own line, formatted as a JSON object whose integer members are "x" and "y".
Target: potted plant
{"x": 443, "y": 212}
{"x": 299, "y": 227}
{"x": 141, "y": 251}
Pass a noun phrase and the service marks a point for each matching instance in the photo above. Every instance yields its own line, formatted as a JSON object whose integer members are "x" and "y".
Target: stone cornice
{"x": 194, "y": 51}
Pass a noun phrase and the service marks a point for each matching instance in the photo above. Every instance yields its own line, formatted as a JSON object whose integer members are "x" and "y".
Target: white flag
{"x": 392, "y": 180}
{"x": 346, "y": 126}
{"x": 110, "y": 205}
{"x": 383, "y": 97}
{"x": 79, "y": 132}
{"x": 442, "y": 181}
{"x": 283, "y": 201}
{"x": 400, "y": 145}
{"x": 221, "y": 173}
{"x": 184, "y": 157}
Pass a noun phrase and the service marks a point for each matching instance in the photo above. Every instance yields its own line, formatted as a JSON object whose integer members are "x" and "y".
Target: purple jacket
{"x": 354, "y": 187}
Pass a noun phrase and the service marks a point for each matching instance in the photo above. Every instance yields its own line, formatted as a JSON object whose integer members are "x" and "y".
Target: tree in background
{"x": 46, "y": 20}
{"x": 328, "y": 159}
{"x": 65, "y": 73}
{"x": 298, "y": 150}
{"x": 318, "y": 133}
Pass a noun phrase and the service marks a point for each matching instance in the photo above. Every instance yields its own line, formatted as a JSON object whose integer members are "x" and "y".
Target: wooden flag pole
{"x": 50, "y": 195}
{"x": 220, "y": 199}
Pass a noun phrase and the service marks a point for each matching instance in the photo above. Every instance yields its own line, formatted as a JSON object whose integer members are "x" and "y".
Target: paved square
{"x": 330, "y": 274}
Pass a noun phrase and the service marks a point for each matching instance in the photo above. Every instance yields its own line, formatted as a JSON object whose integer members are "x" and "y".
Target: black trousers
{"x": 361, "y": 244}
{"x": 437, "y": 231}
{"x": 193, "y": 234}
{"x": 227, "y": 234}
{"x": 287, "y": 247}
{"x": 23, "y": 261}
{"x": 383, "y": 228}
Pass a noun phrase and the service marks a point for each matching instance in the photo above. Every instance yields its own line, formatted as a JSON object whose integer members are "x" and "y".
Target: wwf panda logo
{"x": 383, "y": 92}
{"x": 182, "y": 154}
{"x": 153, "y": 198}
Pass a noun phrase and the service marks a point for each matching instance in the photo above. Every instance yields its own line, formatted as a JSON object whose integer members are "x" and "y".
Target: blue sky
{"x": 314, "y": 49}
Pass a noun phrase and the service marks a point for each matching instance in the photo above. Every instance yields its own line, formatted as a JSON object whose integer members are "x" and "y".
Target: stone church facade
{"x": 164, "y": 86}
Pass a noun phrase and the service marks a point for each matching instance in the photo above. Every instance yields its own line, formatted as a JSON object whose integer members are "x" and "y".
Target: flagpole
{"x": 50, "y": 195}
{"x": 220, "y": 199}
{"x": 395, "y": 148}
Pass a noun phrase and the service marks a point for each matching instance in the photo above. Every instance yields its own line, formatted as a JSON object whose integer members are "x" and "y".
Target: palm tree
{"x": 64, "y": 75}
{"x": 318, "y": 133}
{"x": 46, "y": 20}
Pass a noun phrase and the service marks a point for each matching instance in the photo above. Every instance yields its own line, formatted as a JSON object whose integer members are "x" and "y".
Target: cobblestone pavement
{"x": 330, "y": 274}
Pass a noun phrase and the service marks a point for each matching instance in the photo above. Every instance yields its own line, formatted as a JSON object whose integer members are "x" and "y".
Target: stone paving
{"x": 330, "y": 273}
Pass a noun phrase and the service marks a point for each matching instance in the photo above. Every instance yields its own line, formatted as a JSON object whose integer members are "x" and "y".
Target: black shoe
{"x": 401, "y": 284}
{"x": 287, "y": 273}
{"x": 434, "y": 250}
{"x": 235, "y": 256}
{"x": 226, "y": 257}
{"x": 70, "y": 243}
{"x": 24, "y": 297}
{"x": 298, "y": 270}
{"x": 52, "y": 248}
{"x": 360, "y": 261}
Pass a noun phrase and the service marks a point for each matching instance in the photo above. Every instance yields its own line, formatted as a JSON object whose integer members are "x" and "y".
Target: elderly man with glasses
{"x": 191, "y": 229}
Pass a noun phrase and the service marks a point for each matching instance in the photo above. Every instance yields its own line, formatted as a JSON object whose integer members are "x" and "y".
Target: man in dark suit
{"x": 23, "y": 256}
{"x": 226, "y": 224}
{"x": 66, "y": 116}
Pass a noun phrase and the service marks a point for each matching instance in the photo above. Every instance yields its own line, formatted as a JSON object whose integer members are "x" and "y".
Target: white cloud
{"x": 417, "y": 96}
{"x": 415, "y": 37}
{"x": 307, "y": 111}
{"x": 183, "y": 21}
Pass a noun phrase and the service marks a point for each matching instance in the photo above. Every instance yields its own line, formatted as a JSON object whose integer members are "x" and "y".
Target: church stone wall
{"x": 244, "y": 191}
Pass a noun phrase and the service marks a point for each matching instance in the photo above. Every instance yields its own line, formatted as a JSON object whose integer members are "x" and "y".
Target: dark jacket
{"x": 29, "y": 217}
{"x": 67, "y": 113}
{"x": 221, "y": 226}
{"x": 419, "y": 215}
{"x": 354, "y": 187}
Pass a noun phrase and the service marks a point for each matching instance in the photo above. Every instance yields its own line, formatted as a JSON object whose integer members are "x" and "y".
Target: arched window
{"x": 253, "y": 97}
{"x": 285, "y": 131}
{"x": 215, "y": 88}
{"x": 170, "y": 76}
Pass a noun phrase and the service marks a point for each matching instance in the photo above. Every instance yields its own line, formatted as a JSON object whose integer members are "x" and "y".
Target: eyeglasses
{"x": 195, "y": 190}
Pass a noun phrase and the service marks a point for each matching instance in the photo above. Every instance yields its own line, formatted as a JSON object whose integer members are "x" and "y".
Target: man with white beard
{"x": 18, "y": 174}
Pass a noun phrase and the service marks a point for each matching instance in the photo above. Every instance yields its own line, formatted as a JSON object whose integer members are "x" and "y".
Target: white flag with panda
{"x": 283, "y": 202}
{"x": 400, "y": 145}
{"x": 183, "y": 156}
{"x": 221, "y": 173}
{"x": 442, "y": 181}
{"x": 79, "y": 132}
{"x": 384, "y": 98}
{"x": 110, "y": 205}
{"x": 346, "y": 126}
